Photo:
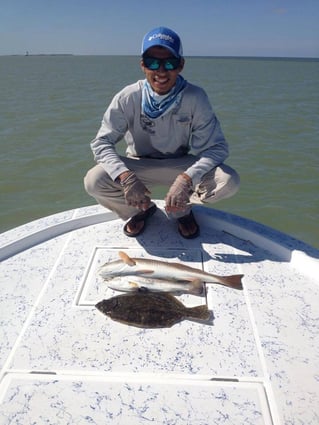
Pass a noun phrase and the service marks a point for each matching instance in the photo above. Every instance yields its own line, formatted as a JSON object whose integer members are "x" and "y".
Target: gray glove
{"x": 179, "y": 193}
{"x": 135, "y": 192}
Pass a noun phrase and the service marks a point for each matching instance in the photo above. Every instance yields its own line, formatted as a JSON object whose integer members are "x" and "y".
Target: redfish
{"x": 164, "y": 270}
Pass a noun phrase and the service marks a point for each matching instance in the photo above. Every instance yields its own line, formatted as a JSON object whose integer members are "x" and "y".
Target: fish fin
{"x": 133, "y": 285}
{"x": 199, "y": 312}
{"x": 145, "y": 271}
{"x": 197, "y": 287}
{"x": 126, "y": 259}
{"x": 186, "y": 279}
{"x": 232, "y": 281}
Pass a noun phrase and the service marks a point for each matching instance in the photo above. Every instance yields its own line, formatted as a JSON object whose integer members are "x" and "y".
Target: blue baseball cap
{"x": 164, "y": 37}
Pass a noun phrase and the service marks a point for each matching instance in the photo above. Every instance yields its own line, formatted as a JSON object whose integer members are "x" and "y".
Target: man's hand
{"x": 135, "y": 192}
{"x": 179, "y": 193}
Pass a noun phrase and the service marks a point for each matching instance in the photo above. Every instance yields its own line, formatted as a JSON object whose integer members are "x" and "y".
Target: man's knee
{"x": 220, "y": 184}
{"x": 93, "y": 180}
{"x": 233, "y": 183}
{"x": 89, "y": 183}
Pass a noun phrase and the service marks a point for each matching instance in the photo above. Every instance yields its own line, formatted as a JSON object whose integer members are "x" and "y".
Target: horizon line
{"x": 186, "y": 56}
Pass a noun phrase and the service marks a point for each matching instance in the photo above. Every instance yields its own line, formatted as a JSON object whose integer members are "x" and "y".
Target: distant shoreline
{"x": 43, "y": 54}
{"x": 286, "y": 58}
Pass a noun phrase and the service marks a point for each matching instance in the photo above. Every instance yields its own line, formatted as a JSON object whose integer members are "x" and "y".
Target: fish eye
{"x": 143, "y": 289}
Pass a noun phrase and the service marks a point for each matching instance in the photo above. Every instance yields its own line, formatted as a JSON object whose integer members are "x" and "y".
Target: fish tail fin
{"x": 126, "y": 259}
{"x": 197, "y": 287}
{"x": 233, "y": 281}
{"x": 199, "y": 312}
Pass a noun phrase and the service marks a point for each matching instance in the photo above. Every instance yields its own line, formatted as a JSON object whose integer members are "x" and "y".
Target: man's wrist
{"x": 187, "y": 178}
{"x": 121, "y": 177}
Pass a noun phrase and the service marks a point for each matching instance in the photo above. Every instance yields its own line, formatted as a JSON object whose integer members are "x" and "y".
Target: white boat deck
{"x": 63, "y": 362}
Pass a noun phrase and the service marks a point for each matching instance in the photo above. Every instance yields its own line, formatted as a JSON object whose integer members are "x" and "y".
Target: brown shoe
{"x": 188, "y": 227}
{"x": 142, "y": 216}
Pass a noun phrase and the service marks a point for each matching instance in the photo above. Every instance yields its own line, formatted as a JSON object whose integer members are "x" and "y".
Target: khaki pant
{"x": 220, "y": 183}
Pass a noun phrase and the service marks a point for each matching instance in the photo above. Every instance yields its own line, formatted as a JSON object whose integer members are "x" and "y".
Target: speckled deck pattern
{"x": 63, "y": 362}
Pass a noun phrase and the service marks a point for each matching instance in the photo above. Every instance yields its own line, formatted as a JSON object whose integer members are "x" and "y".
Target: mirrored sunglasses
{"x": 154, "y": 63}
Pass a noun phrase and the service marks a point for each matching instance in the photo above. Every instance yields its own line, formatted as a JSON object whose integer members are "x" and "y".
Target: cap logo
{"x": 162, "y": 37}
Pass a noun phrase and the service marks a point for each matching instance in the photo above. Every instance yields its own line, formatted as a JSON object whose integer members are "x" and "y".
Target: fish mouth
{"x": 99, "y": 305}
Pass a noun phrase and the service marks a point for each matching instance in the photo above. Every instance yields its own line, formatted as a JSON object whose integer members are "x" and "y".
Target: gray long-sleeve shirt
{"x": 190, "y": 128}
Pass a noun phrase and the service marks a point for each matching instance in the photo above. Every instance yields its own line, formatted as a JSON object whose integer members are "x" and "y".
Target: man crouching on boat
{"x": 173, "y": 139}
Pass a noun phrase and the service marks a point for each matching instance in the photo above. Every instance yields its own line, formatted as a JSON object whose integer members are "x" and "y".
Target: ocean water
{"x": 51, "y": 107}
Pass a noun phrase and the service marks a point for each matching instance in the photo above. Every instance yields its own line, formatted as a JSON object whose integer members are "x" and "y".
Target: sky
{"x": 279, "y": 28}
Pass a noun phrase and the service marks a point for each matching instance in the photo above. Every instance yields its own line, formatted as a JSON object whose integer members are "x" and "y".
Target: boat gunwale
{"x": 285, "y": 247}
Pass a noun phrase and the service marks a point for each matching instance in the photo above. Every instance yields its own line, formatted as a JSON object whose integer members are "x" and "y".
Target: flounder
{"x": 150, "y": 310}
